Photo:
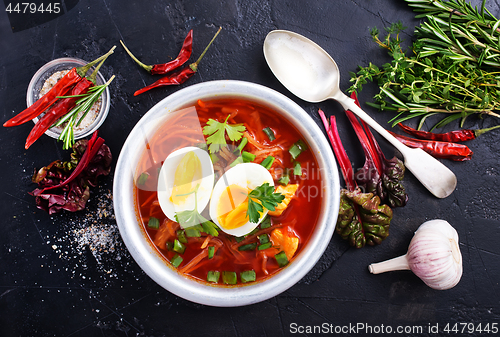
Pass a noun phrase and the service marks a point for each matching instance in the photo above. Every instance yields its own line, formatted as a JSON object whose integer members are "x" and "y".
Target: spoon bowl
{"x": 310, "y": 73}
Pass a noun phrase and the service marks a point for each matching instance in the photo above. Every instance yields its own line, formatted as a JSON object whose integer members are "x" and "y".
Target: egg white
{"x": 247, "y": 175}
{"x": 166, "y": 182}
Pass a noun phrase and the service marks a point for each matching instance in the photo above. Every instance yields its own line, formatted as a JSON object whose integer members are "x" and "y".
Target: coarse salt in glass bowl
{"x": 92, "y": 121}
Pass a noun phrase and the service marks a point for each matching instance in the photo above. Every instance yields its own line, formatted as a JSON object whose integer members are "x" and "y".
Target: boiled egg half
{"x": 229, "y": 203}
{"x": 185, "y": 182}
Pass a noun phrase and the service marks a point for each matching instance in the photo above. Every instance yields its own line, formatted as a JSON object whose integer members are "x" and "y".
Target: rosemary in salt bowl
{"x": 86, "y": 109}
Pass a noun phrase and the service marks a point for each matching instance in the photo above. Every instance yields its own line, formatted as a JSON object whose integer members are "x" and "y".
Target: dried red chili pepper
{"x": 452, "y": 136}
{"x": 180, "y": 76}
{"x": 161, "y": 69}
{"x": 62, "y": 107}
{"x": 61, "y": 88}
{"x": 438, "y": 149}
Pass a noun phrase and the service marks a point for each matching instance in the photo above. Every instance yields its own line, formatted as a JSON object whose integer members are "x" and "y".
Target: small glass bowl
{"x": 67, "y": 63}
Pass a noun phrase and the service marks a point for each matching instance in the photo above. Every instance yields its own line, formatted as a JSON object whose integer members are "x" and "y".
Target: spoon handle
{"x": 433, "y": 174}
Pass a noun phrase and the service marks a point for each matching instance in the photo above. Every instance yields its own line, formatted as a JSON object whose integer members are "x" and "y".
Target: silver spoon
{"x": 311, "y": 74}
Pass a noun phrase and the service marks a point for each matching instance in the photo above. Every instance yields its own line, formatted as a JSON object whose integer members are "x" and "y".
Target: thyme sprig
{"x": 452, "y": 68}
{"x": 83, "y": 105}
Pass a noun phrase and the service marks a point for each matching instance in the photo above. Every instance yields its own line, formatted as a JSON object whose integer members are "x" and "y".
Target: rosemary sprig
{"x": 451, "y": 69}
{"x": 83, "y": 105}
{"x": 457, "y": 30}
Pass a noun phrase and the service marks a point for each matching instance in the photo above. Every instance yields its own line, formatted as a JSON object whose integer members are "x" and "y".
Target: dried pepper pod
{"x": 163, "y": 68}
{"x": 180, "y": 76}
{"x": 437, "y": 149}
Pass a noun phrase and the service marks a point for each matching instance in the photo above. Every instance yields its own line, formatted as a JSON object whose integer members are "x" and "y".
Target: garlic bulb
{"x": 433, "y": 255}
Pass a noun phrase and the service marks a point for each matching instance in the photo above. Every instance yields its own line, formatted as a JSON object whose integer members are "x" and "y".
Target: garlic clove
{"x": 433, "y": 255}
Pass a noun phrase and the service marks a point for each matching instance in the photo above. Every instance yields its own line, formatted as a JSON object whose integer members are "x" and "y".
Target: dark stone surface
{"x": 54, "y": 283}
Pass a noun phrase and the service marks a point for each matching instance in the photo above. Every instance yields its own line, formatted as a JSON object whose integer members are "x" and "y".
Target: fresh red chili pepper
{"x": 162, "y": 69}
{"x": 438, "y": 149}
{"x": 61, "y": 88}
{"x": 180, "y": 76}
{"x": 62, "y": 106}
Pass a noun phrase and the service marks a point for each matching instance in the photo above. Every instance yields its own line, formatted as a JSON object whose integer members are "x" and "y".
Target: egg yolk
{"x": 232, "y": 207}
{"x": 187, "y": 173}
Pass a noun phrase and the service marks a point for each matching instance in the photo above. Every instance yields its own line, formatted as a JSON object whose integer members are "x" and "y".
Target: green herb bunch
{"x": 453, "y": 67}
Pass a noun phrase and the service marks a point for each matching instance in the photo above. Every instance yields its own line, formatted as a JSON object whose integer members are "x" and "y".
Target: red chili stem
{"x": 338, "y": 149}
{"x": 438, "y": 149}
{"x": 178, "y": 77}
{"x": 61, "y": 88}
{"x": 163, "y": 68}
{"x": 93, "y": 145}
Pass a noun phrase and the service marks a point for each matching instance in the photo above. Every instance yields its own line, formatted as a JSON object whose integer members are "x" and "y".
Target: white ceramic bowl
{"x": 67, "y": 63}
{"x": 146, "y": 255}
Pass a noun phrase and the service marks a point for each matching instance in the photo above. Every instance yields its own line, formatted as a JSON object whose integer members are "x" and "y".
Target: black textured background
{"x": 53, "y": 284}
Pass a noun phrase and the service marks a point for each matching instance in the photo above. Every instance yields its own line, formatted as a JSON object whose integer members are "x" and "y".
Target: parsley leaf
{"x": 217, "y": 132}
{"x": 262, "y": 196}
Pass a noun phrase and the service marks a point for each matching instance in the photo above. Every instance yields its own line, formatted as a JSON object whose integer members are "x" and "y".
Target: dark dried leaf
{"x": 73, "y": 196}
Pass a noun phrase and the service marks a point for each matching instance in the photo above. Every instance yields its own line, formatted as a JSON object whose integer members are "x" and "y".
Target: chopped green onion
{"x": 210, "y": 228}
{"x": 181, "y": 236}
{"x": 297, "y": 148}
{"x": 297, "y": 169}
{"x": 268, "y": 162}
{"x": 211, "y": 251}
{"x": 237, "y": 161}
{"x": 266, "y": 222}
{"x": 179, "y": 247}
{"x": 248, "y": 157}
{"x": 243, "y": 142}
{"x": 285, "y": 179}
{"x": 214, "y": 158}
{"x": 193, "y": 231}
{"x": 250, "y": 246}
{"x": 270, "y": 133}
{"x": 143, "y": 178}
{"x": 281, "y": 259}
{"x": 248, "y": 276}
{"x": 176, "y": 261}
{"x": 169, "y": 245}
{"x": 229, "y": 277}
{"x": 264, "y": 238}
{"x": 255, "y": 230}
{"x": 213, "y": 276}
{"x": 265, "y": 245}
{"x": 239, "y": 238}
{"x": 153, "y": 223}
